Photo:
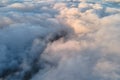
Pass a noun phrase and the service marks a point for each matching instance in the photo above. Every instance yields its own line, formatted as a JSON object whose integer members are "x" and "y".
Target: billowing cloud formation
{"x": 59, "y": 40}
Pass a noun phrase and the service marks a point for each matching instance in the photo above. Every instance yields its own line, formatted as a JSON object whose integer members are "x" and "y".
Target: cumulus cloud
{"x": 59, "y": 40}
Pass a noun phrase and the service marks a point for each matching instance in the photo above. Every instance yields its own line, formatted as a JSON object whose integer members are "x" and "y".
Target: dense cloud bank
{"x": 59, "y": 40}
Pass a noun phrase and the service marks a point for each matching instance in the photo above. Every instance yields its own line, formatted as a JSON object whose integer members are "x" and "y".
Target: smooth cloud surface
{"x": 59, "y": 40}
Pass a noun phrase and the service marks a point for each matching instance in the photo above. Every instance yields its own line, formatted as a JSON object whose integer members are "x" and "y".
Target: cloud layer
{"x": 59, "y": 40}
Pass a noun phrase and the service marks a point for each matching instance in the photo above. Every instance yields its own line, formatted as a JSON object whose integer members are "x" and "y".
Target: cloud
{"x": 59, "y": 40}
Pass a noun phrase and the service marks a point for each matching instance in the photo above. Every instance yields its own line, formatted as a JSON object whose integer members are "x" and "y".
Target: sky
{"x": 59, "y": 40}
